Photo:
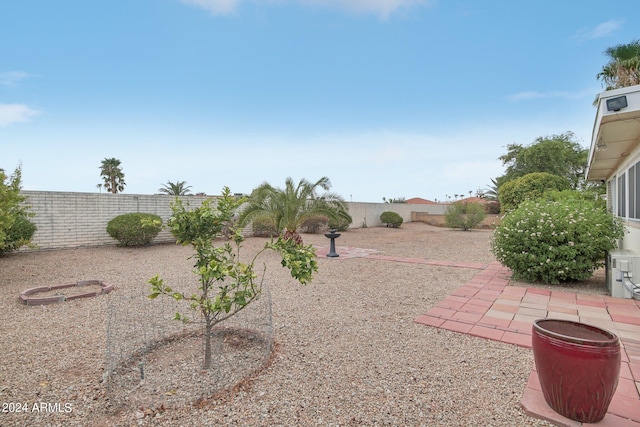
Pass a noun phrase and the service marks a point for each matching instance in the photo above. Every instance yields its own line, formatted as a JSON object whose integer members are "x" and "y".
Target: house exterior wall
{"x": 623, "y": 198}
{"x": 74, "y": 220}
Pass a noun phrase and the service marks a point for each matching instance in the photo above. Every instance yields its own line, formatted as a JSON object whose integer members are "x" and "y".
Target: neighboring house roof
{"x": 615, "y": 131}
{"x": 419, "y": 201}
{"x": 473, "y": 199}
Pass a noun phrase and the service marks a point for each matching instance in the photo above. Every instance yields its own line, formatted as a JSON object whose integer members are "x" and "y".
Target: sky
{"x": 387, "y": 98}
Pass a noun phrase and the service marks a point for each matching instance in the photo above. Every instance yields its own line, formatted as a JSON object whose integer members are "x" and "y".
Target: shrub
{"x": 264, "y": 226}
{"x": 464, "y": 215}
{"x": 340, "y": 223}
{"x": 15, "y": 228}
{"x": 134, "y": 229}
{"x": 315, "y": 224}
{"x": 18, "y": 235}
{"x": 492, "y": 207}
{"x": 391, "y": 219}
{"x": 555, "y": 241}
{"x": 529, "y": 187}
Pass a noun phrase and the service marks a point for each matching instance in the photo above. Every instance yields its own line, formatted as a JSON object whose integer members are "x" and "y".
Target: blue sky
{"x": 388, "y": 98}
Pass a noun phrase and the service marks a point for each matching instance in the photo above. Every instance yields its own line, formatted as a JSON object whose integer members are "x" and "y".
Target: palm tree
{"x": 175, "y": 189}
{"x": 288, "y": 208}
{"x": 623, "y": 68}
{"x": 112, "y": 174}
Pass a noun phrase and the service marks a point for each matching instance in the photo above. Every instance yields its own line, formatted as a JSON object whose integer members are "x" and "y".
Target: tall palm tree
{"x": 623, "y": 68}
{"x": 175, "y": 189}
{"x": 288, "y": 208}
{"x": 112, "y": 174}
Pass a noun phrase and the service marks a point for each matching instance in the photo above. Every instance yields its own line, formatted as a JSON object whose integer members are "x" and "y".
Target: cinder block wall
{"x": 73, "y": 220}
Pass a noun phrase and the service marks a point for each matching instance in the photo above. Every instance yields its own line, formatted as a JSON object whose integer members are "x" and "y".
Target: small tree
{"x": 227, "y": 285}
{"x": 112, "y": 174}
{"x": 15, "y": 228}
{"x": 464, "y": 215}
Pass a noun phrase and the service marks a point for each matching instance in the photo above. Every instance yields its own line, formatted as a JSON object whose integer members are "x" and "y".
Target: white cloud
{"x": 215, "y": 7}
{"x": 15, "y": 113}
{"x": 382, "y": 8}
{"x": 11, "y": 78}
{"x": 601, "y": 30}
{"x": 532, "y": 94}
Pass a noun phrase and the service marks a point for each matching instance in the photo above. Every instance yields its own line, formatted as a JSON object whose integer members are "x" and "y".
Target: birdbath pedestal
{"x": 332, "y": 247}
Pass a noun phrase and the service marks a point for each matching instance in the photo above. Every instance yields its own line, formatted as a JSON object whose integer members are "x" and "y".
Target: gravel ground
{"x": 347, "y": 353}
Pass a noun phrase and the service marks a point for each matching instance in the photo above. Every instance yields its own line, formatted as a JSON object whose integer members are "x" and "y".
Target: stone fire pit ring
{"x": 27, "y": 297}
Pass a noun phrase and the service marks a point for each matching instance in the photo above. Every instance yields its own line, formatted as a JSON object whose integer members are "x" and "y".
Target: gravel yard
{"x": 348, "y": 352}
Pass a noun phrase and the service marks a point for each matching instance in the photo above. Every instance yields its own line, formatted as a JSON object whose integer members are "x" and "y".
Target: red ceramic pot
{"x": 578, "y": 366}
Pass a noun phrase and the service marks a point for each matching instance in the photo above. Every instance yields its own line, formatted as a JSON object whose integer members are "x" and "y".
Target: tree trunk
{"x": 207, "y": 345}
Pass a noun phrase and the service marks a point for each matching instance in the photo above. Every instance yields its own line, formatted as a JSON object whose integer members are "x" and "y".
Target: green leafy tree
{"x": 464, "y": 215}
{"x": 529, "y": 187}
{"x": 15, "y": 228}
{"x": 227, "y": 285}
{"x": 556, "y": 239}
{"x": 291, "y": 206}
{"x": 111, "y": 173}
{"x": 623, "y": 68}
{"x": 559, "y": 155}
{"x": 179, "y": 188}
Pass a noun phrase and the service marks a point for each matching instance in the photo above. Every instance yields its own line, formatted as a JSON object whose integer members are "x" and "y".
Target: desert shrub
{"x": 134, "y": 229}
{"x": 21, "y": 231}
{"x": 464, "y": 215}
{"x": 555, "y": 241}
{"x": 492, "y": 207}
{"x": 15, "y": 228}
{"x": 392, "y": 219}
{"x": 315, "y": 224}
{"x": 529, "y": 187}
{"x": 264, "y": 226}
{"x": 341, "y": 222}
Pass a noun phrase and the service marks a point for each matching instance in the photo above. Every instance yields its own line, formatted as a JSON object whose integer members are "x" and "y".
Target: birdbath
{"x": 332, "y": 248}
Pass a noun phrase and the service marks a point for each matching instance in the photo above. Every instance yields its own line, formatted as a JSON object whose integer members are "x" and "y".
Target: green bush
{"x": 134, "y": 229}
{"x": 391, "y": 219}
{"x": 314, "y": 224}
{"x": 263, "y": 226}
{"x": 529, "y": 187}
{"x": 464, "y": 215}
{"x": 19, "y": 234}
{"x": 556, "y": 241}
{"x": 15, "y": 228}
{"x": 340, "y": 223}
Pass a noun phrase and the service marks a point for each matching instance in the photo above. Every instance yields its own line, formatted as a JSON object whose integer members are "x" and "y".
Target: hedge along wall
{"x": 73, "y": 220}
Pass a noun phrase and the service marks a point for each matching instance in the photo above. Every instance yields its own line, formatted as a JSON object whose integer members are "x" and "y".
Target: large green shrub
{"x": 555, "y": 241}
{"x": 464, "y": 215}
{"x": 134, "y": 229}
{"x": 529, "y": 187}
{"x": 392, "y": 219}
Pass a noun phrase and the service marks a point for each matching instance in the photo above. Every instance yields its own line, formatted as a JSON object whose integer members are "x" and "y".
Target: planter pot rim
{"x": 587, "y": 335}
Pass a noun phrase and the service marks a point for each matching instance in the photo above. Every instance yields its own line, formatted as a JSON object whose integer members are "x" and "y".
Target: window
{"x": 622, "y": 195}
